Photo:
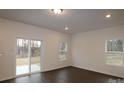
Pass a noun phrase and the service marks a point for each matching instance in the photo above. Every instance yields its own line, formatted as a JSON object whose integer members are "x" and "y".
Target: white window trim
{"x": 114, "y": 52}
{"x": 65, "y": 54}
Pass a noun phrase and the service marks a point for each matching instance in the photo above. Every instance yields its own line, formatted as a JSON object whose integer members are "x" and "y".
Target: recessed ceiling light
{"x": 57, "y": 11}
{"x": 66, "y": 28}
{"x": 108, "y": 16}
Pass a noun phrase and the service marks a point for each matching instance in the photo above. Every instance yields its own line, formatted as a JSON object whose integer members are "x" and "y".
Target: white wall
{"x": 9, "y": 30}
{"x": 88, "y": 50}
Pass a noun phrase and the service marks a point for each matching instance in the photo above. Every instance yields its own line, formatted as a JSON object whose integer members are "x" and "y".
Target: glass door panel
{"x": 22, "y": 56}
{"x": 35, "y": 55}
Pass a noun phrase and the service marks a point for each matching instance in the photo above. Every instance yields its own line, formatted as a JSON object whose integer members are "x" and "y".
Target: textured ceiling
{"x": 78, "y": 20}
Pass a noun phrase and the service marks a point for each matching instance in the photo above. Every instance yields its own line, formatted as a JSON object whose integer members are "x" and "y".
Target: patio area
{"x": 22, "y": 65}
{"x": 25, "y": 69}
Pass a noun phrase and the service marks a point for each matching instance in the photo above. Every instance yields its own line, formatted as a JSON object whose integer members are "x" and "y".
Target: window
{"x": 114, "y": 52}
{"x": 115, "y": 46}
{"x": 62, "y": 51}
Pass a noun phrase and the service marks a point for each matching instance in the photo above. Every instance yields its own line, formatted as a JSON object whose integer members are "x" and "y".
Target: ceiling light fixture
{"x": 108, "y": 16}
{"x": 66, "y": 28}
{"x": 57, "y": 11}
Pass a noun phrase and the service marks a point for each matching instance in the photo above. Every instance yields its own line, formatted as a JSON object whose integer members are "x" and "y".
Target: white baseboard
{"x": 12, "y": 77}
{"x": 100, "y": 72}
{"x": 54, "y": 68}
{"x": 7, "y": 78}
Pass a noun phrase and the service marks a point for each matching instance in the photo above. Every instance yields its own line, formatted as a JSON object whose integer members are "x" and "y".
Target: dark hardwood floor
{"x": 65, "y": 75}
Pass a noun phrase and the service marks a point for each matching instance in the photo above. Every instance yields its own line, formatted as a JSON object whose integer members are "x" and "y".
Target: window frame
{"x": 106, "y": 51}
{"x": 65, "y": 50}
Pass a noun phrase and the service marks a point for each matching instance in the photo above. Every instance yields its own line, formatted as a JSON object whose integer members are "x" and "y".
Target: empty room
{"x": 61, "y": 45}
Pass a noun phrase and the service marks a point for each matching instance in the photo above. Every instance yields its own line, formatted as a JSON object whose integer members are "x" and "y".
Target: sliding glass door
{"x": 28, "y": 56}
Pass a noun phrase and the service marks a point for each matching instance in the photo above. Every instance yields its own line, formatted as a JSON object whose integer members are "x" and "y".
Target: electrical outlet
{"x": 1, "y": 54}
